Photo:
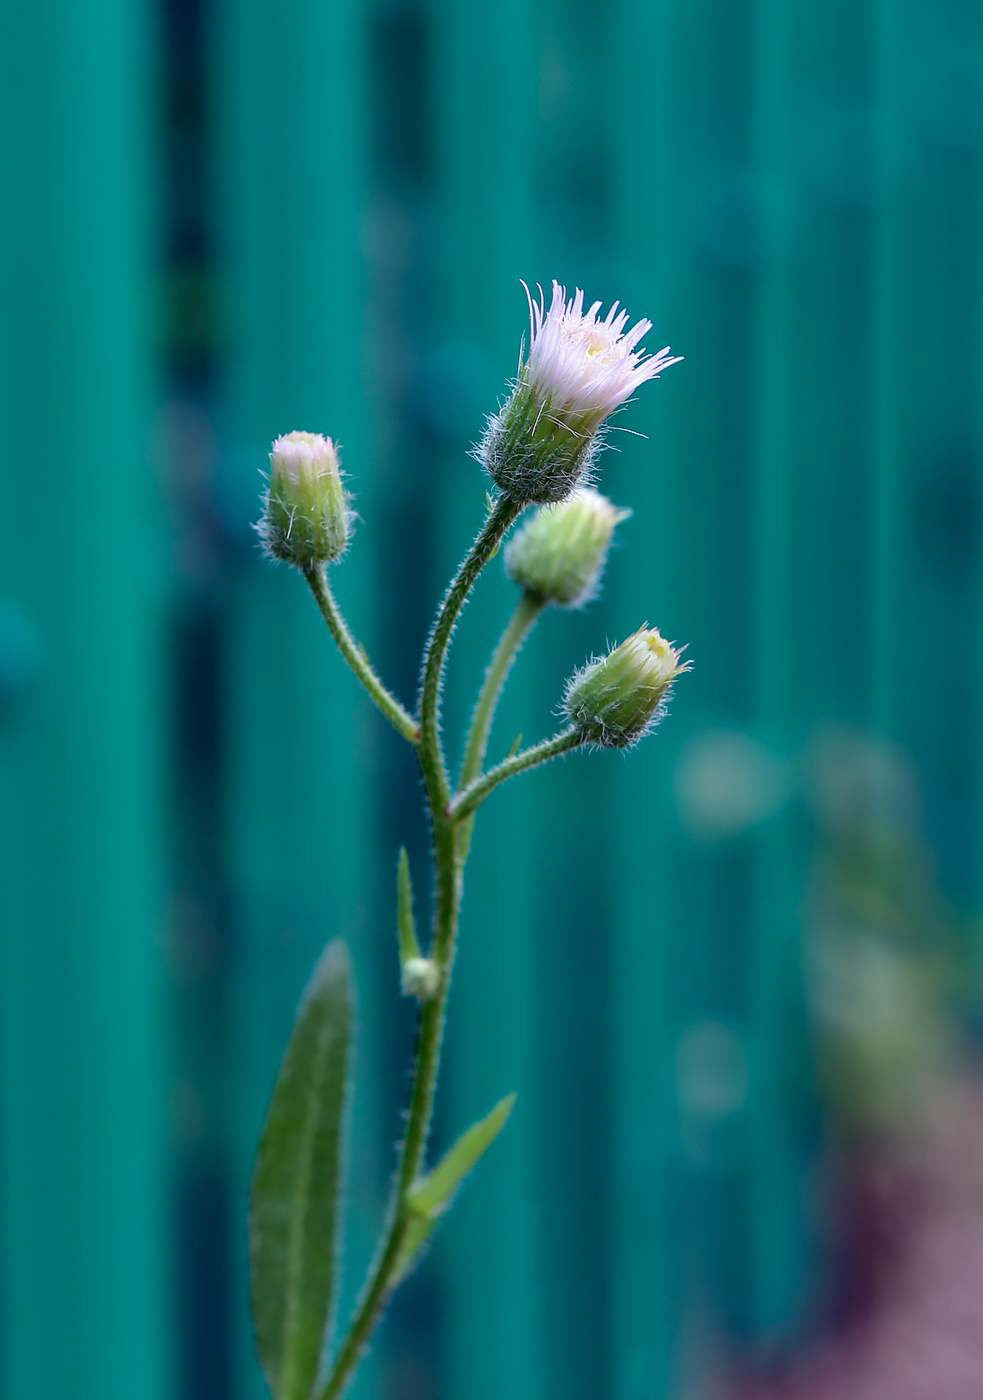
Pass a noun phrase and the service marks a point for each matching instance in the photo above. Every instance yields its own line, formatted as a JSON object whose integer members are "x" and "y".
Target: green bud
{"x": 560, "y": 553}
{"x": 306, "y": 519}
{"x": 420, "y": 978}
{"x": 616, "y": 700}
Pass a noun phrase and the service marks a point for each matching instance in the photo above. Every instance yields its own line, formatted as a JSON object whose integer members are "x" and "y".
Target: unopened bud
{"x": 616, "y": 700}
{"x": 420, "y": 978}
{"x": 306, "y": 518}
{"x": 560, "y": 553}
{"x": 543, "y": 442}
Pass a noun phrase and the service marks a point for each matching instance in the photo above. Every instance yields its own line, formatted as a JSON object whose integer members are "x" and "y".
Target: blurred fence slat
{"x": 84, "y": 1295}
{"x": 482, "y": 83}
{"x": 289, "y": 173}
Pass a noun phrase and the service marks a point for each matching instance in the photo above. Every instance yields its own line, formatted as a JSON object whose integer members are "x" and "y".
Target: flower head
{"x": 306, "y": 519}
{"x": 584, "y": 367}
{"x": 617, "y": 699}
{"x": 560, "y": 553}
{"x": 579, "y": 371}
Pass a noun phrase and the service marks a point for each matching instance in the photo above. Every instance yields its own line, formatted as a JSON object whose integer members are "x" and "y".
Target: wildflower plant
{"x": 540, "y": 450}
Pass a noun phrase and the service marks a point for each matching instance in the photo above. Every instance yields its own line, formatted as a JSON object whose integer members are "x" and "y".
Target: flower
{"x": 583, "y": 367}
{"x": 579, "y": 371}
{"x": 306, "y": 519}
{"x": 560, "y": 553}
{"x": 617, "y": 699}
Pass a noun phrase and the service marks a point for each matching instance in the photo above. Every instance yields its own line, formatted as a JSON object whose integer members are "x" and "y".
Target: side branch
{"x": 472, "y": 797}
{"x": 394, "y": 712}
{"x": 504, "y": 512}
{"x": 527, "y": 612}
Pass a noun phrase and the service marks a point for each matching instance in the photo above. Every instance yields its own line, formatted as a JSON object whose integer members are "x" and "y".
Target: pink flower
{"x": 583, "y": 367}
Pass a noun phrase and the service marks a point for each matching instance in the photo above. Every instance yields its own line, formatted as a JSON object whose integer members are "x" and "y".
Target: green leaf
{"x": 409, "y": 945}
{"x": 294, "y": 1207}
{"x": 421, "y": 1227}
{"x": 431, "y": 1197}
{"x": 434, "y": 1193}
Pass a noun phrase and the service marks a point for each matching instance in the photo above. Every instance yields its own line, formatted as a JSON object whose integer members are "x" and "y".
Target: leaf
{"x": 421, "y": 1227}
{"x": 294, "y": 1205}
{"x": 515, "y": 747}
{"x": 434, "y": 1193}
{"x": 409, "y": 946}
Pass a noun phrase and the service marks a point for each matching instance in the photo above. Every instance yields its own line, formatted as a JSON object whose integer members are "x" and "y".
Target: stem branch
{"x": 526, "y": 614}
{"x": 472, "y": 797}
{"x": 500, "y": 517}
{"x": 398, "y": 717}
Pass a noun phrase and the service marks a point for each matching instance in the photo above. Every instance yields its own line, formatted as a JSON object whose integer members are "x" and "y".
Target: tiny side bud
{"x": 420, "y": 978}
{"x": 306, "y": 520}
{"x": 617, "y": 699}
{"x": 560, "y": 553}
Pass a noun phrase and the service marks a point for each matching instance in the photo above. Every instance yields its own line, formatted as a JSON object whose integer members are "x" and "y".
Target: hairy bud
{"x": 420, "y": 978}
{"x": 579, "y": 371}
{"x": 560, "y": 553}
{"x": 306, "y": 519}
{"x": 614, "y": 701}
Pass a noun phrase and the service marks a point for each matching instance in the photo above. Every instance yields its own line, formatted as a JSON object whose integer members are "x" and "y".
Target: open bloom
{"x": 306, "y": 519}
{"x": 618, "y": 698}
{"x": 579, "y": 370}
{"x": 585, "y": 368}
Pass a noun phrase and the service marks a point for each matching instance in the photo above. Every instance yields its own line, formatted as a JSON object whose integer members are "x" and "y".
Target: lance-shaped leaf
{"x": 434, "y": 1193}
{"x": 294, "y": 1208}
{"x": 431, "y": 1196}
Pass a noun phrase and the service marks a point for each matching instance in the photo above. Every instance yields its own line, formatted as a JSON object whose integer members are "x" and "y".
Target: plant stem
{"x": 526, "y": 614}
{"x": 448, "y": 871}
{"x": 472, "y": 797}
{"x": 400, "y": 718}
{"x": 500, "y": 517}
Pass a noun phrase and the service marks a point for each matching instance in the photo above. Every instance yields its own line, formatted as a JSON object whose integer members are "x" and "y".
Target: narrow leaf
{"x": 420, "y": 1230}
{"x": 433, "y": 1194}
{"x": 294, "y": 1207}
{"x": 515, "y": 747}
{"x": 409, "y": 946}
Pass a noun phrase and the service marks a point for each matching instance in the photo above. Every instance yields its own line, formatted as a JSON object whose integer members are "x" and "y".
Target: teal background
{"x": 225, "y": 219}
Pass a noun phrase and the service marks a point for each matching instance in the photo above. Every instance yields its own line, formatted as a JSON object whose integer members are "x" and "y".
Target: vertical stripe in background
{"x": 83, "y": 1290}
{"x": 482, "y": 91}
{"x": 302, "y": 742}
{"x": 642, "y": 57}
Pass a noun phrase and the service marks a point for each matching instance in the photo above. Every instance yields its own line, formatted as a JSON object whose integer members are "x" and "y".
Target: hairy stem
{"x": 526, "y": 614}
{"x": 472, "y": 797}
{"x": 502, "y": 514}
{"x": 384, "y": 1274}
{"x": 399, "y": 718}
{"x": 449, "y": 860}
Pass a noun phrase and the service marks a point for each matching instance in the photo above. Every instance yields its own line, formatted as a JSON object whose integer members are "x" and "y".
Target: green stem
{"x": 448, "y": 870}
{"x": 472, "y": 797}
{"x": 384, "y": 1274}
{"x": 500, "y": 517}
{"x": 526, "y": 614}
{"x": 401, "y": 719}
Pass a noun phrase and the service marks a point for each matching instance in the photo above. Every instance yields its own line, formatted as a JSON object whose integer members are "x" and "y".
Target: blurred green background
{"x": 736, "y": 977}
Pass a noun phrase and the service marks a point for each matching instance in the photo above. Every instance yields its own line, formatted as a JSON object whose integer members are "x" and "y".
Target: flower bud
{"x": 616, "y": 700}
{"x": 580, "y": 370}
{"x": 306, "y": 518}
{"x": 560, "y": 553}
{"x": 420, "y": 978}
